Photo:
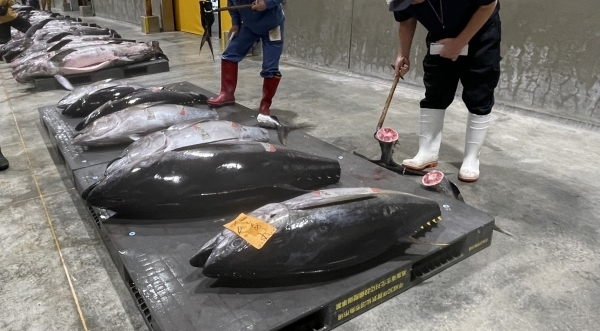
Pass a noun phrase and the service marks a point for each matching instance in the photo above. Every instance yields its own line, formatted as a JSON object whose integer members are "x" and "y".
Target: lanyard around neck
{"x": 440, "y": 16}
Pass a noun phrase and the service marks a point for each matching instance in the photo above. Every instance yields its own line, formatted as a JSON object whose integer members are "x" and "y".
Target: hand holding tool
{"x": 232, "y": 8}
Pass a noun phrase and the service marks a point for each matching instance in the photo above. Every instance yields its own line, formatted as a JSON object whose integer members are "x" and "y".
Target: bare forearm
{"x": 481, "y": 16}
{"x": 406, "y": 33}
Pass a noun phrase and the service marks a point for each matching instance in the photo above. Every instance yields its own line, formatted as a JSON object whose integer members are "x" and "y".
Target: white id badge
{"x": 435, "y": 49}
{"x": 275, "y": 34}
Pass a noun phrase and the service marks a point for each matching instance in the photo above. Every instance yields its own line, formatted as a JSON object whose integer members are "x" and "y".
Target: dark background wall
{"x": 551, "y": 48}
{"x": 130, "y": 11}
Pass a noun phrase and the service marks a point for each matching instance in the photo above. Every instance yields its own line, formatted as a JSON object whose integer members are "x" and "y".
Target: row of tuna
{"x": 58, "y": 46}
{"x": 199, "y": 165}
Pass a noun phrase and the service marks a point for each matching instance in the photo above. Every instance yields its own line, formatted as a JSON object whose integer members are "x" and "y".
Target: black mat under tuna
{"x": 153, "y": 255}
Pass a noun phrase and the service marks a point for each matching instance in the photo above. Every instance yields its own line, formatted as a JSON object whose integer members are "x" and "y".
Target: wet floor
{"x": 539, "y": 180}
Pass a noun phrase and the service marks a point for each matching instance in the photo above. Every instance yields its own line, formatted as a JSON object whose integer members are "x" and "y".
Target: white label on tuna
{"x": 203, "y": 133}
{"x": 151, "y": 115}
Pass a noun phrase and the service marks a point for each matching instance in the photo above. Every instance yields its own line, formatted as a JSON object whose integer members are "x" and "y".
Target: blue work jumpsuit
{"x": 256, "y": 25}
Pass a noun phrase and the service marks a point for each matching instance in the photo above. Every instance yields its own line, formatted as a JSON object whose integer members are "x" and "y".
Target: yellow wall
{"x": 187, "y": 16}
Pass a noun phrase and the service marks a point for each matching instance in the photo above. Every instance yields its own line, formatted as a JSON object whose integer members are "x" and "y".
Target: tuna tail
{"x": 64, "y": 82}
{"x": 499, "y": 229}
{"x": 157, "y": 52}
{"x": 114, "y": 33}
{"x": 283, "y": 131}
{"x": 59, "y": 37}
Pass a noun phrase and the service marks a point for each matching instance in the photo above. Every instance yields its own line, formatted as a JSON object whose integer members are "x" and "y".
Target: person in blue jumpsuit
{"x": 264, "y": 21}
{"x": 467, "y": 35}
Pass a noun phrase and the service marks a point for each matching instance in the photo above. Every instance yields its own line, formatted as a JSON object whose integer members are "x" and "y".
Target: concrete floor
{"x": 539, "y": 179}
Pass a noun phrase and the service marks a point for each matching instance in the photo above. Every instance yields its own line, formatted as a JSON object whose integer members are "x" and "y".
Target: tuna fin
{"x": 34, "y": 28}
{"x": 58, "y": 37}
{"x": 59, "y": 45}
{"x": 333, "y": 201}
{"x": 125, "y": 40}
{"x": 64, "y": 82}
{"x": 135, "y": 137}
{"x": 411, "y": 240}
{"x": 204, "y": 253}
{"x": 188, "y": 147}
{"x": 60, "y": 56}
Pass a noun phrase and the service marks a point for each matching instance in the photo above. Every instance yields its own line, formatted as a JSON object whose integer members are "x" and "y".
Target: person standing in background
{"x": 463, "y": 43}
{"x": 47, "y": 3}
{"x": 8, "y": 19}
{"x": 264, "y": 21}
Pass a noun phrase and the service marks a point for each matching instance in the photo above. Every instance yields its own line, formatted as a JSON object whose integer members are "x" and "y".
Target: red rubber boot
{"x": 229, "y": 78}
{"x": 269, "y": 88}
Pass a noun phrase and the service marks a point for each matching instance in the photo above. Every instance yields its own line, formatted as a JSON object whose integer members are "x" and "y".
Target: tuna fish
{"x": 87, "y": 59}
{"x": 213, "y": 178}
{"x": 185, "y": 135}
{"x": 153, "y": 95}
{"x": 319, "y": 232}
{"x": 133, "y": 123}
{"x": 43, "y": 49}
{"x": 82, "y": 91}
{"x": 45, "y": 29}
{"x": 92, "y": 101}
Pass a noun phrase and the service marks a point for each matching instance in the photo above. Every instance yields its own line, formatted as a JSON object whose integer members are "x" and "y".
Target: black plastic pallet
{"x": 152, "y": 256}
{"x": 127, "y": 71}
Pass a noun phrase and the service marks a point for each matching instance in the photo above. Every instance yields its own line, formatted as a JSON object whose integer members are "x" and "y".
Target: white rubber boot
{"x": 477, "y": 127}
{"x": 430, "y": 139}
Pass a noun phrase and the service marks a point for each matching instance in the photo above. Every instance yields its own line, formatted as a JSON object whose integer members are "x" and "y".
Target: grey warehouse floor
{"x": 540, "y": 180}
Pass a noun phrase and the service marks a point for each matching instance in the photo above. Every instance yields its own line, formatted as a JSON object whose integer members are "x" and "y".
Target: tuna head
{"x": 96, "y": 131}
{"x": 118, "y": 188}
{"x": 145, "y": 146}
{"x": 319, "y": 232}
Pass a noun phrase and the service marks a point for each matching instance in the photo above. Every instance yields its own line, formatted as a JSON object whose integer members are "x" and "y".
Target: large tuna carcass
{"x": 211, "y": 179}
{"x": 316, "y": 233}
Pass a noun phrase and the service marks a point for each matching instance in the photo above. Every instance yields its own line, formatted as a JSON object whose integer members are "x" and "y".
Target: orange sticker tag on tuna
{"x": 269, "y": 148}
{"x": 253, "y": 230}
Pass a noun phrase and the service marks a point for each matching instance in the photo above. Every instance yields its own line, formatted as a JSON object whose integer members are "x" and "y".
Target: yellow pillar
{"x": 187, "y": 16}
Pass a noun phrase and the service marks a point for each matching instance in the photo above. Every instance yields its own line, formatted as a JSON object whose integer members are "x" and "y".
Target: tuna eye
{"x": 236, "y": 242}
